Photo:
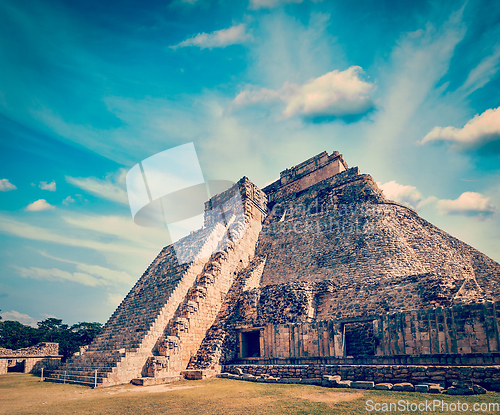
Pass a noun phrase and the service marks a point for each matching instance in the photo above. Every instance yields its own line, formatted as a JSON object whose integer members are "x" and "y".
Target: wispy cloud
{"x": 404, "y": 194}
{"x": 481, "y": 133}
{"x": 24, "y": 230}
{"x": 110, "y": 188}
{"x": 51, "y": 187}
{"x": 5, "y": 185}
{"x": 17, "y": 316}
{"x": 219, "y": 39}
{"x": 482, "y": 73}
{"x": 337, "y": 93}
{"x": 467, "y": 204}
{"x": 408, "y": 82}
{"x": 39, "y": 205}
{"x": 122, "y": 228}
{"x": 89, "y": 275}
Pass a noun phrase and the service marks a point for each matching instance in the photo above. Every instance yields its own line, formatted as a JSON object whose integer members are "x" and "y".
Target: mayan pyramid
{"x": 319, "y": 247}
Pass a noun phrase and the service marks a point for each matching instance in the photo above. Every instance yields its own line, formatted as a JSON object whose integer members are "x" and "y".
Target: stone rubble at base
{"x": 335, "y": 382}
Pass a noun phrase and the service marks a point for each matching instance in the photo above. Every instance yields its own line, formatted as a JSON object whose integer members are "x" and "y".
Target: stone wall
{"x": 462, "y": 329}
{"x": 486, "y": 376}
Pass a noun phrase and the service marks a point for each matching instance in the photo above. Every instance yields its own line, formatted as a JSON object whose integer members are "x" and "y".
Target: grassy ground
{"x": 24, "y": 394}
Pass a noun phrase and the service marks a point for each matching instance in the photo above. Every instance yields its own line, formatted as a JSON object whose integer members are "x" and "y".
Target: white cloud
{"x": 111, "y": 188}
{"x": 5, "y": 185}
{"x": 51, "y": 187}
{"x": 467, "y": 204}
{"x": 218, "y": 39}
{"x": 269, "y": 4}
{"x": 337, "y": 93}
{"x": 480, "y": 131}
{"x": 14, "y": 315}
{"x": 404, "y": 194}
{"x": 68, "y": 200}
{"x": 39, "y": 205}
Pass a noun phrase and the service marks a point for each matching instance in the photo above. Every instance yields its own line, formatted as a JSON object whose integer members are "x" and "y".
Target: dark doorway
{"x": 359, "y": 339}
{"x": 250, "y": 343}
{"x": 15, "y": 366}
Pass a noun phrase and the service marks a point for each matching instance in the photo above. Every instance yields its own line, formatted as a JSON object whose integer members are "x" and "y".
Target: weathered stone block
{"x": 435, "y": 389}
{"x": 334, "y": 378}
{"x": 289, "y": 380}
{"x": 311, "y": 381}
{"x": 403, "y": 387}
{"x": 453, "y": 390}
{"x": 422, "y": 388}
{"x": 362, "y": 385}
{"x": 383, "y": 386}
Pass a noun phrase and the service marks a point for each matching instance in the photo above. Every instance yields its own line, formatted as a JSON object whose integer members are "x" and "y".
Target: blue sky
{"x": 407, "y": 92}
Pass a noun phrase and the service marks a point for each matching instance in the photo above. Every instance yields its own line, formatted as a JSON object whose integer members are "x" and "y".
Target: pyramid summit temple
{"x": 317, "y": 273}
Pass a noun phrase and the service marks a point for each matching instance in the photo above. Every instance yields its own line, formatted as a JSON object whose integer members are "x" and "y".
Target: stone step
{"x": 90, "y": 363}
{"x": 104, "y": 369}
{"x": 94, "y": 362}
{"x": 86, "y": 376}
{"x": 78, "y": 382}
{"x": 111, "y": 347}
{"x": 81, "y": 380}
{"x": 76, "y": 378}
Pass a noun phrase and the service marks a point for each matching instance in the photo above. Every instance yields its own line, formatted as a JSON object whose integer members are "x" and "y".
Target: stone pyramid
{"x": 320, "y": 244}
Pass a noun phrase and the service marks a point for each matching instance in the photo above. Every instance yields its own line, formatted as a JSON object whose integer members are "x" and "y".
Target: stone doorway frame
{"x": 243, "y": 335}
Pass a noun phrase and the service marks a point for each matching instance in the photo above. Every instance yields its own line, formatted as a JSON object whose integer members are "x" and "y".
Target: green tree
{"x": 85, "y": 332}
{"x": 14, "y": 335}
{"x": 51, "y": 329}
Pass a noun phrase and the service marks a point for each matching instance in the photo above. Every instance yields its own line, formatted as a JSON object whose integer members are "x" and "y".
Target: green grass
{"x": 24, "y": 394}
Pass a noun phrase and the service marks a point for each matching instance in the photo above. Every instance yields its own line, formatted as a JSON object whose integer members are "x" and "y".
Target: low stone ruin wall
{"x": 31, "y": 359}
{"x": 40, "y": 349}
{"x": 486, "y": 376}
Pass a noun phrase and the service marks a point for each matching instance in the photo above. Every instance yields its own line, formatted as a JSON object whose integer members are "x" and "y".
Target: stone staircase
{"x": 167, "y": 299}
{"x": 119, "y": 353}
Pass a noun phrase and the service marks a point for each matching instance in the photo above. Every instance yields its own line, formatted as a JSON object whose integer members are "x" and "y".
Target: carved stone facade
{"x": 319, "y": 265}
